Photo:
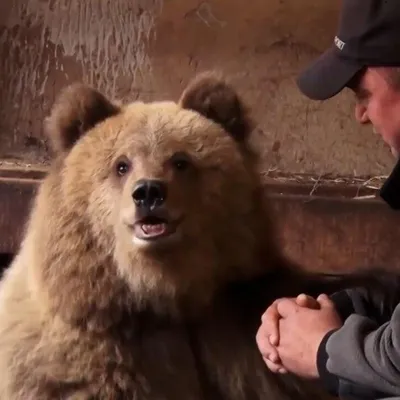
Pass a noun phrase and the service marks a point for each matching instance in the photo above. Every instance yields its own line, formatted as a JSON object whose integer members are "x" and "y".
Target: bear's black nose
{"x": 149, "y": 193}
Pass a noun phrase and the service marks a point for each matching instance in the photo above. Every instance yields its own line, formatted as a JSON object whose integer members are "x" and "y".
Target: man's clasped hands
{"x": 291, "y": 331}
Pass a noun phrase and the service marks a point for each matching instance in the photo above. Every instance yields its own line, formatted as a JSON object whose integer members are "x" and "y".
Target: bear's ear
{"x": 77, "y": 109}
{"x": 210, "y": 95}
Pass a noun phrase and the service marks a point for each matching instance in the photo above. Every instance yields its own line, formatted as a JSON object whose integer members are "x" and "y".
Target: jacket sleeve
{"x": 365, "y": 351}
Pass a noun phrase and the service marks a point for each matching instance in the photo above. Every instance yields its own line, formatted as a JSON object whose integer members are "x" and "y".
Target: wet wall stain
{"x": 44, "y": 45}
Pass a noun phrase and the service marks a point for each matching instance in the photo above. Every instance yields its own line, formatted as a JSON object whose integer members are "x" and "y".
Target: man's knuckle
{"x": 264, "y": 317}
{"x": 270, "y": 315}
{"x": 261, "y": 339}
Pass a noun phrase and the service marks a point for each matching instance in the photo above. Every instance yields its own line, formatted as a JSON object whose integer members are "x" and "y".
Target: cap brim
{"x": 327, "y": 76}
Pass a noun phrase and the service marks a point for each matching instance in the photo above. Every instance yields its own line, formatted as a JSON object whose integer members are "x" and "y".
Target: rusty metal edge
{"x": 329, "y": 229}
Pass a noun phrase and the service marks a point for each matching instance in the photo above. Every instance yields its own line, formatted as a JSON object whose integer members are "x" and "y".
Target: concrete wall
{"x": 259, "y": 44}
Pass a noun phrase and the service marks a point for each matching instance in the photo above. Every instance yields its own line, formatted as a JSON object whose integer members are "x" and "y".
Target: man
{"x": 351, "y": 341}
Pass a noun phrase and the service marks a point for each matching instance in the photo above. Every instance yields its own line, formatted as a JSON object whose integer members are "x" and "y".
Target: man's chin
{"x": 395, "y": 152}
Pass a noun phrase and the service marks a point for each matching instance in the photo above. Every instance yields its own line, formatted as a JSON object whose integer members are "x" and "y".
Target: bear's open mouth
{"x": 152, "y": 227}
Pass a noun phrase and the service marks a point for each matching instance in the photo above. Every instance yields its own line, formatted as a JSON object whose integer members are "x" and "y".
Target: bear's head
{"x": 147, "y": 203}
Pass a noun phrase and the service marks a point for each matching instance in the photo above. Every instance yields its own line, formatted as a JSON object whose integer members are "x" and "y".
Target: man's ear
{"x": 77, "y": 109}
{"x": 211, "y": 96}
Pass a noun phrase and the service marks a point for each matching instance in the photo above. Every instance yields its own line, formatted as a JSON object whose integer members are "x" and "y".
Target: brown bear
{"x": 148, "y": 257}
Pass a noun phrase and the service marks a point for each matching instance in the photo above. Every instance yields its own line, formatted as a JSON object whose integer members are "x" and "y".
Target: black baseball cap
{"x": 368, "y": 35}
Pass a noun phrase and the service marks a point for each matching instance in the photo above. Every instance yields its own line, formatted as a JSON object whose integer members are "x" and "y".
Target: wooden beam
{"x": 15, "y": 201}
{"x": 329, "y": 229}
{"x": 338, "y": 234}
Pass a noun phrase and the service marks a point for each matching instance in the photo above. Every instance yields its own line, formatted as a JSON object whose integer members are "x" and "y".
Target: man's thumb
{"x": 307, "y": 301}
{"x": 325, "y": 301}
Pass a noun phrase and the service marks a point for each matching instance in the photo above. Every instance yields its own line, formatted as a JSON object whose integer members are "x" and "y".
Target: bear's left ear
{"x": 77, "y": 109}
{"x": 210, "y": 95}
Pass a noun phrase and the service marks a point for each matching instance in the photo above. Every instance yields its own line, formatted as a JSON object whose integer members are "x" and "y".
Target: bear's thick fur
{"x": 148, "y": 257}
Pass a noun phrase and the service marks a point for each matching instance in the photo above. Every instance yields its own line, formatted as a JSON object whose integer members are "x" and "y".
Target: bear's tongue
{"x": 154, "y": 229}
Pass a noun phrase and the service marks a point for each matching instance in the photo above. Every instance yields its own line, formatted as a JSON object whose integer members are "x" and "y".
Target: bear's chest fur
{"x": 210, "y": 358}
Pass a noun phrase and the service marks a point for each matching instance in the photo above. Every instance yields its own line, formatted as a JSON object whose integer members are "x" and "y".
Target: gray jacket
{"x": 361, "y": 360}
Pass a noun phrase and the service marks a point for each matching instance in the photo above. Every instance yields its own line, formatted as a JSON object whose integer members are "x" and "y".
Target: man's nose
{"x": 361, "y": 114}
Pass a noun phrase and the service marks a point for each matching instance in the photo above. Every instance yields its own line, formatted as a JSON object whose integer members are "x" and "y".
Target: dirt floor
{"x": 260, "y": 45}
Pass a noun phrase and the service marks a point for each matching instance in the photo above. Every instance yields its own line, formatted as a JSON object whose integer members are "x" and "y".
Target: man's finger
{"x": 324, "y": 301}
{"x": 304, "y": 300}
{"x": 273, "y": 355}
{"x": 274, "y": 367}
{"x": 270, "y": 323}
{"x": 286, "y": 307}
{"x": 270, "y": 312}
{"x": 265, "y": 347}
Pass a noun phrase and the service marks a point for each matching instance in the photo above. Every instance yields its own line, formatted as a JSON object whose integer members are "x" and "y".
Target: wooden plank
{"x": 331, "y": 233}
{"x": 15, "y": 199}
{"x": 329, "y": 229}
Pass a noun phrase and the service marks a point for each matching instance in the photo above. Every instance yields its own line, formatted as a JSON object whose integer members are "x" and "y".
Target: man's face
{"x": 379, "y": 104}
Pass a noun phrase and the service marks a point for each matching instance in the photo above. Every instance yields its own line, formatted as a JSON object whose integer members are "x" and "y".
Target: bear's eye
{"x": 180, "y": 161}
{"x": 122, "y": 166}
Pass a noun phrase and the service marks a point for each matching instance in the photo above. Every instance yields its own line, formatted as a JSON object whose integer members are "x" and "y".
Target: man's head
{"x": 377, "y": 93}
{"x": 365, "y": 57}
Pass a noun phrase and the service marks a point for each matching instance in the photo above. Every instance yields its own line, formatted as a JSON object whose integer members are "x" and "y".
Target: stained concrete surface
{"x": 260, "y": 45}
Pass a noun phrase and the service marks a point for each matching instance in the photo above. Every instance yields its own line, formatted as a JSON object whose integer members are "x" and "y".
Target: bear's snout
{"x": 149, "y": 194}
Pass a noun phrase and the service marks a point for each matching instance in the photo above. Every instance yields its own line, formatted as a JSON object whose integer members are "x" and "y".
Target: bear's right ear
{"x": 76, "y": 109}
